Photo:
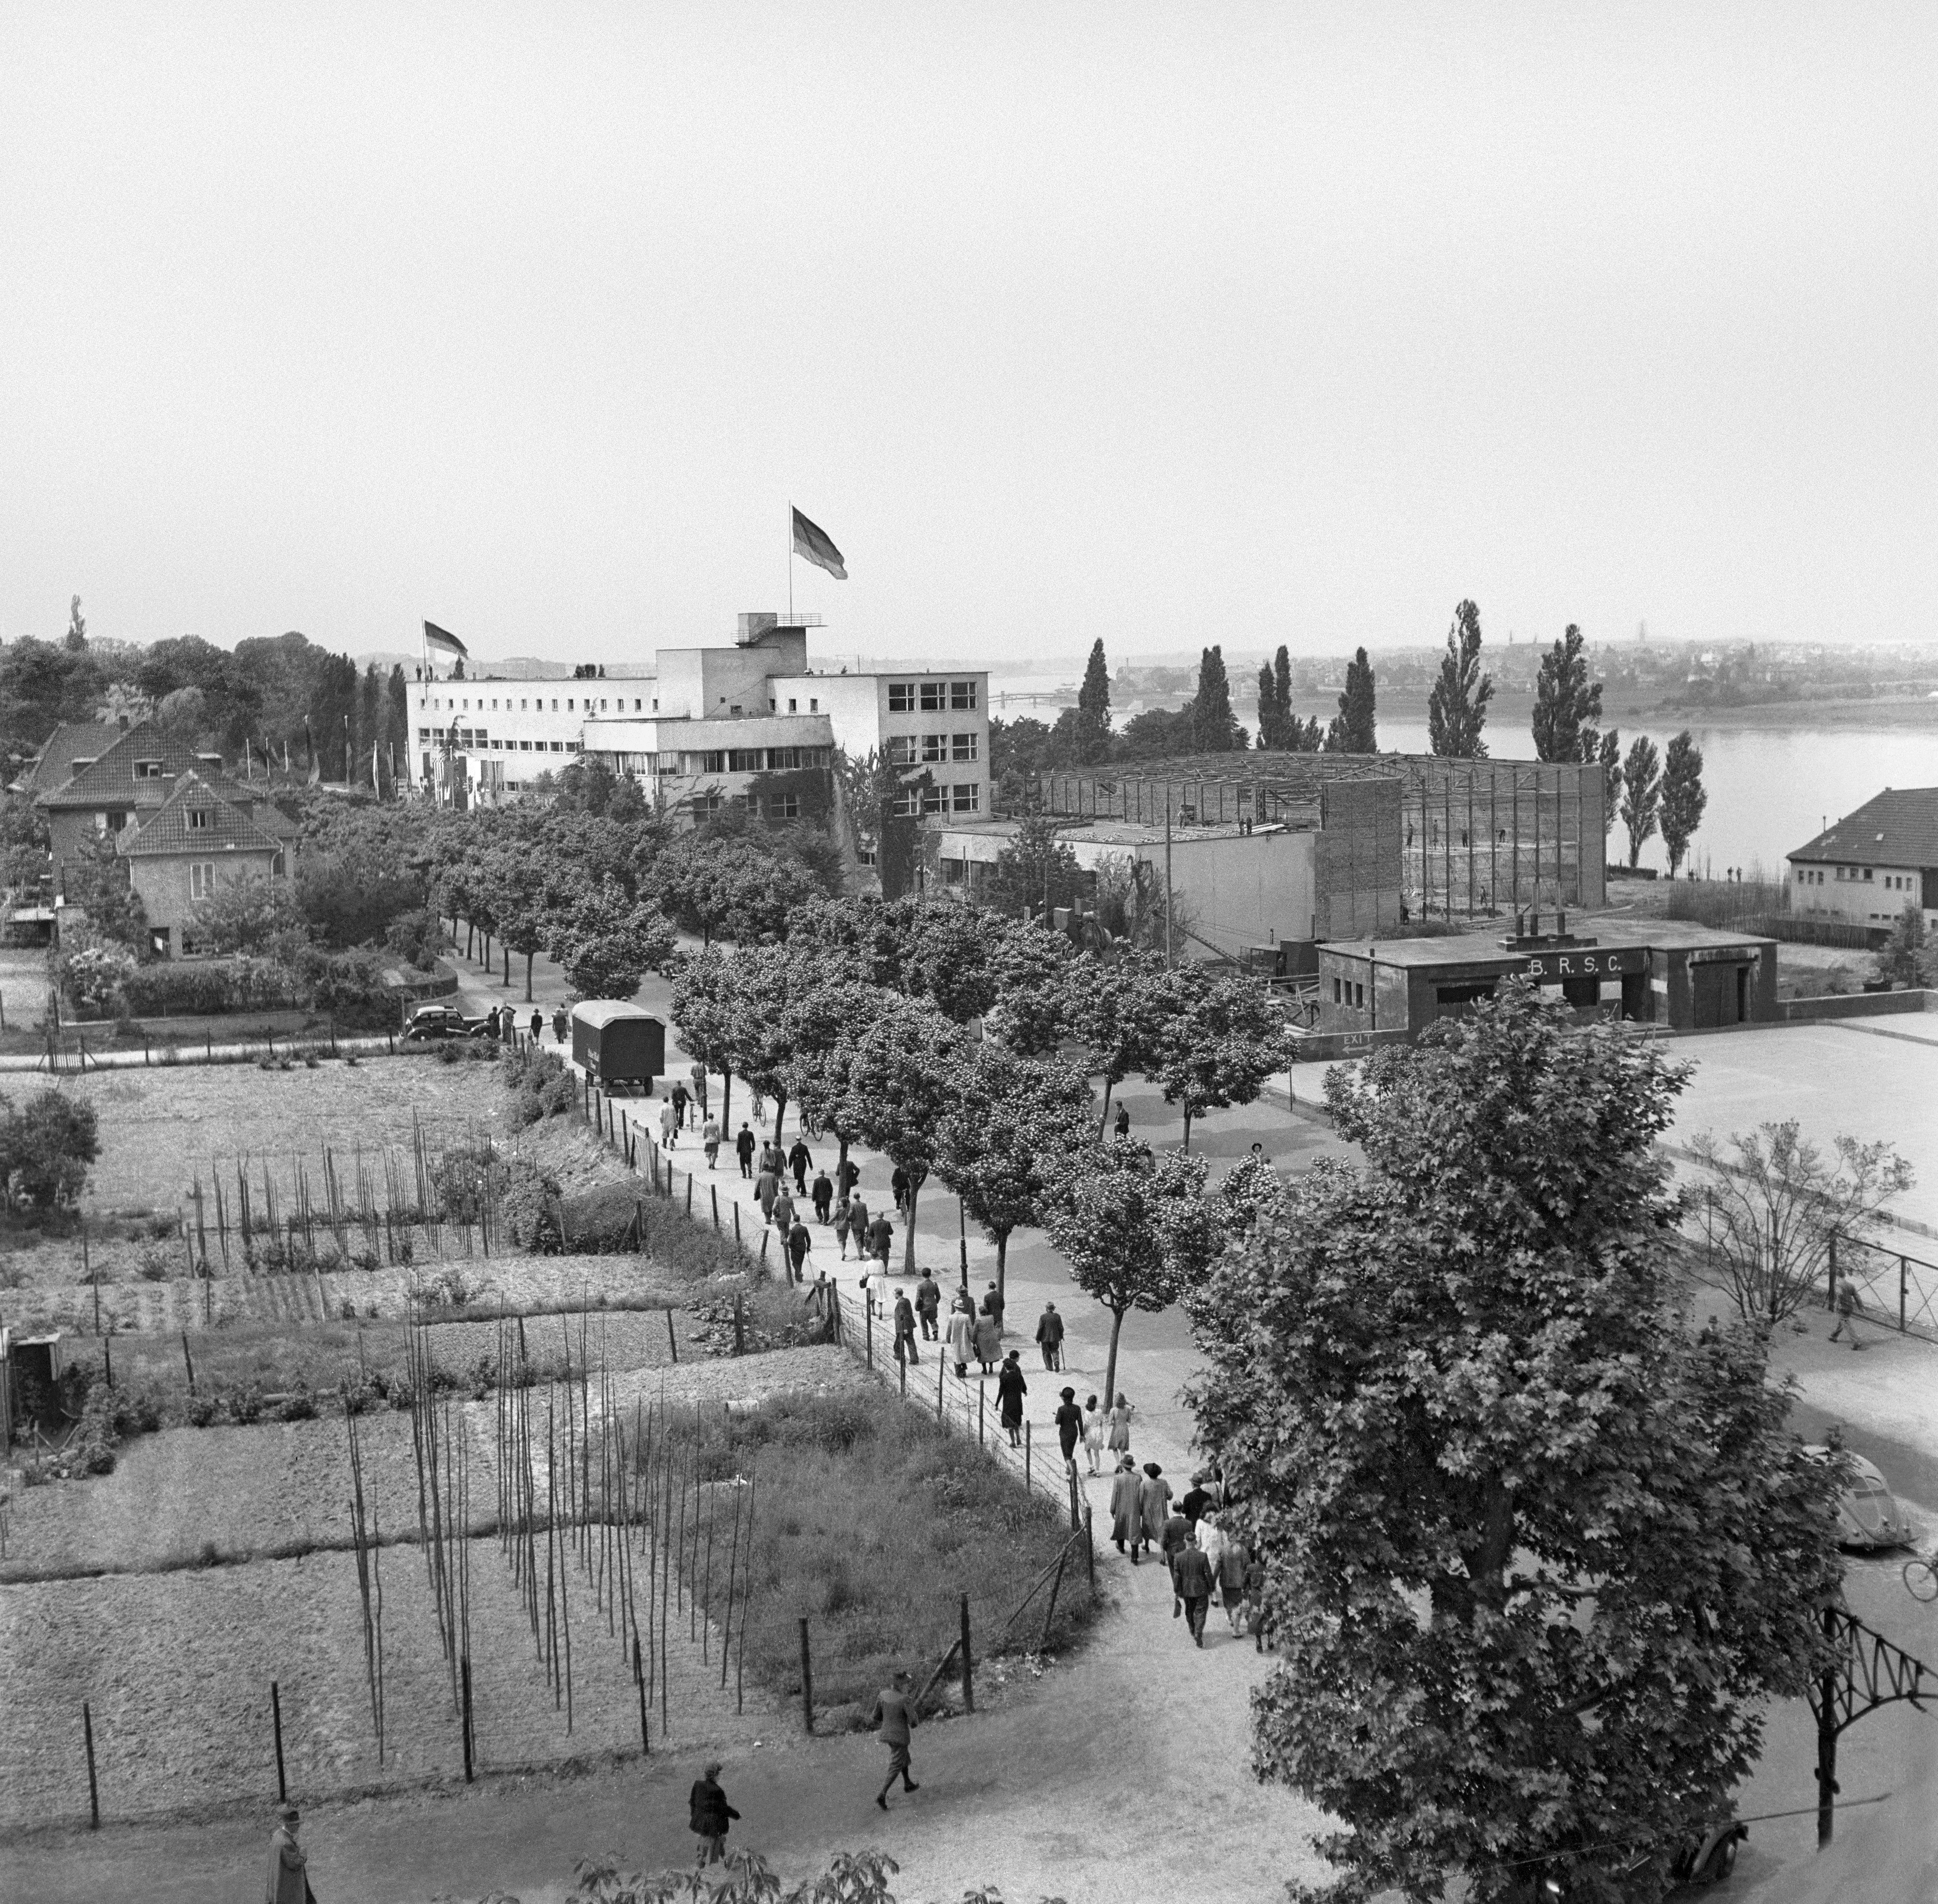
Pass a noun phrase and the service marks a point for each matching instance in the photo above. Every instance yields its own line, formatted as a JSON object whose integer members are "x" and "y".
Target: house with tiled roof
{"x": 70, "y": 747}
{"x": 179, "y": 852}
{"x": 1874, "y": 863}
{"x": 130, "y": 780}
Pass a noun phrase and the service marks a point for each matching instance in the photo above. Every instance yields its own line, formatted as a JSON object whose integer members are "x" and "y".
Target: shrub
{"x": 244, "y": 1404}
{"x": 195, "y": 987}
{"x": 46, "y": 1147}
{"x": 540, "y": 1085}
{"x": 350, "y": 988}
{"x": 300, "y": 1407}
{"x": 201, "y": 1410}
{"x": 417, "y": 936}
{"x": 94, "y": 977}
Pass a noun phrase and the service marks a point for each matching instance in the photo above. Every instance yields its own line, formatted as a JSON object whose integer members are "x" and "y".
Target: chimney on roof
{"x": 121, "y": 722}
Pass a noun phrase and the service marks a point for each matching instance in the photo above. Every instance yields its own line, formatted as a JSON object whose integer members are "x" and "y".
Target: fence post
{"x": 466, "y": 1663}
{"x": 982, "y": 1410}
{"x": 941, "y": 1375}
{"x": 1075, "y": 1521}
{"x": 867, "y": 1311}
{"x": 672, "y": 1340}
{"x": 1055, "y": 1587}
{"x": 740, "y": 1329}
{"x": 1090, "y": 1549}
{"x": 1830, "y": 1288}
{"x": 713, "y": 1190}
{"x": 902, "y": 1366}
{"x": 276, "y": 1720}
{"x": 968, "y": 1675}
{"x": 807, "y": 1678}
{"x": 1903, "y": 1284}
{"x": 1026, "y": 1456}
{"x": 93, "y": 1789}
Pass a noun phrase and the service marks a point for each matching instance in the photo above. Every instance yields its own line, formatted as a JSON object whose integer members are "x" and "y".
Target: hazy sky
{"x": 1169, "y": 324}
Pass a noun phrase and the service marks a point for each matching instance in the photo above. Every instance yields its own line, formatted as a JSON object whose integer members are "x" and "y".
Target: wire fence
{"x": 1896, "y": 1289}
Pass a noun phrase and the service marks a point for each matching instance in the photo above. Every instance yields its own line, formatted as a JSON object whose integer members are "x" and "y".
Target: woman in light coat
{"x": 1093, "y": 1433}
{"x": 1211, "y": 1540}
{"x": 1126, "y": 1508}
{"x": 1117, "y": 1434}
{"x": 961, "y": 1340}
{"x": 989, "y": 1336}
{"x": 1155, "y": 1493}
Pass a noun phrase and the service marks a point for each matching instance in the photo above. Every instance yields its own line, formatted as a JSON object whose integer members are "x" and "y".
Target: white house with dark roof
{"x": 1874, "y": 863}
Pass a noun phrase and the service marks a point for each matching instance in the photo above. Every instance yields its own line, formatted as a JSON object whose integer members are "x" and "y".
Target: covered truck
{"x": 617, "y": 1044}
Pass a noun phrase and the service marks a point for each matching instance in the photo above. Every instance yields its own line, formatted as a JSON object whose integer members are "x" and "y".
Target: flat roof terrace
{"x": 1470, "y": 950}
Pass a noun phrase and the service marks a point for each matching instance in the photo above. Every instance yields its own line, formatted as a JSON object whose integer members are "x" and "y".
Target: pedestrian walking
{"x": 743, "y": 1148}
{"x": 961, "y": 1340}
{"x": 781, "y": 1215}
{"x": 988, "y": 1342}
{"x": 1251, "y": 1606}
{"x": 559, "y": 1022}
{"x": 823, "y": 1194}
{"x": 697, "y": 1076}
{"x": 1155, "y": 1493}
{"x": 842, "y": 1226}
{"x": 1049, "y": 1336}
{"x": 1197, "y": 1498}
{"x": 1177, "y": 1535}
{"x": 1234, "y": 1563}
{"x": 1069, "y": 1420}
{"x": 1117, "y": 1430}
{"x": 928, "y": 1301}
{"x": 858, "y": 1222}
{"x": 1849, "y": 1308}
{"x": 1211, "y": 1540}
{"x": 680, "y": 1103}
{"x": 1127, "y": 1509}
{"x": 710, "y": 1139}
{"x": 1093, "y": 1434}
{"x": 799, "y": 1240}
{"x": 1010, "y": 1389}
{"x": 992, "y": 1303}
{"x": 1123, "y": 1126}
{"x": 1192, "y": 1579}
{"x": 289, "y": 1874}
{"x": 894, "y": 1715}
{"x": 538, "y": 1025}
{"x": 800, "y": 1161}
{"x": 898, "y": 1183}
{"x": 708, "y": 1814}
{"x": 669, "y": 1125}
{"x": 881, "y": 1240}
{"x": 850, "y": 1175}
{"x": 905, "y": 1348}
{"x": 773, "y": 1158}
{"x": 766, "y": 1188}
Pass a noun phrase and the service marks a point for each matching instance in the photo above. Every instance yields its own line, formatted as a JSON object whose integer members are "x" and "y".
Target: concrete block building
{"x": 1872, "y": 865}
{"x": 708, "y": 725}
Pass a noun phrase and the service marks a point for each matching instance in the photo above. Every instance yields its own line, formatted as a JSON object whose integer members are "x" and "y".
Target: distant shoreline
{"x": 1513, "y": 714}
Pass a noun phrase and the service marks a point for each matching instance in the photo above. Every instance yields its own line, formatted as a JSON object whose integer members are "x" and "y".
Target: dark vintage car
{"x": 1702, "y": 1860}
{"x": 430, "y": 1021}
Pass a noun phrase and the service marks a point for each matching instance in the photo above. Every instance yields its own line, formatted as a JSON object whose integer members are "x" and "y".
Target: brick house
{"x": 178, "y": 856}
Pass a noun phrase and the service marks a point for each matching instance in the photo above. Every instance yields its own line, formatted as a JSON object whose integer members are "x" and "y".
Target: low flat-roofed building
{"x": 1686, "y": 978}
{"x": 1873, "y": 863}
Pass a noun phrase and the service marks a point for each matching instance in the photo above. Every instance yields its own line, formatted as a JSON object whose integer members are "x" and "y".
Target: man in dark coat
{"x": 708, "y": 1814}
{"x": 289, "y": 1879}
{"x": 559, "y": 1024}
{"x": 824, "y": 1195}
{"x": 1191, "y": 1579}
{"x": 538, "y": 1025}
{"x": 905, "y": 1348}
{"x": 1049, "y": 1336}
{"x": 743, "y": 1148}
{"x": 928, "y": 1303}
{"x": 1123, "y": 1125}
{"x": 766, "y": 1188}
{"x": 850, "y": 1176}
{"x": 800, "y": 1161}
{"x": 894, "y": 1714}
{"x": 799, "y": 1242}
{"x": 1069, "y": 1426}
{"x": 881, "y": 1240}
{"x": 898, "y": 1182}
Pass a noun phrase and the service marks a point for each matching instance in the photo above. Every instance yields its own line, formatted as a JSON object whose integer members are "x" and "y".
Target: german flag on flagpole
{"x": 443, "y": 638}
{"x": 817, "y": 546}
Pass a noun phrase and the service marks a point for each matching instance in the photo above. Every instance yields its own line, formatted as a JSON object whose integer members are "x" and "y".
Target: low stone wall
{"x": 1858, "y": 1004}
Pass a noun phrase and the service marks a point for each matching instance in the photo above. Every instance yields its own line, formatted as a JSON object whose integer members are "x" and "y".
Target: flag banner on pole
{"x": 816, "y": 545}
{"x": 437, "y": 637}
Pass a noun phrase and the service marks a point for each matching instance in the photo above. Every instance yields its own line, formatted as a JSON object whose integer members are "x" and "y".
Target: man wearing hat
{"x": 708, "y": 1813}
{"x": 289, "y": 1882}
{"x": 895, "y": 1713}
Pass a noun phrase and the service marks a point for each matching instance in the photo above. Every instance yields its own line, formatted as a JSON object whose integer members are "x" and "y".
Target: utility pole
{"x": 1167, "y": 879}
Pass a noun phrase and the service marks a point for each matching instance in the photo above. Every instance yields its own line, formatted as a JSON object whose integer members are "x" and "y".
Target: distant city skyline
{"x": 1241, "y": 326}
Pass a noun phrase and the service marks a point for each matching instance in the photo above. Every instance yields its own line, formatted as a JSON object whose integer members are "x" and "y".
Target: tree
{"x": 1213, "y": 728}
{"x": 609, "y": 941}
{"x": 1683, "y": 797}
{"x": 1609, "y": 753}
{"x": 1091, "y": 739}
{"x": 1218, "y": 1040}
{"x": 1773, "y": 1203}
{"x": 1005, "y": 1144}
{"x": 1034, "y": 1013}
{"x": 46, "y": 1147}
{"x": 1271, "y": 715}
{"x": 1157, "y": 733}
{"x": 248, "y": 914}
{"x": 705, "y": 1001}
{"x": 97, "y": 881}
{"x": 1133, "y": 1225}
{"x": 521, "y": 898}
{"x": 1457, "y": 710}
{"x": 822, "y": 1025}
{"x": 1279, "y": 727}
{"x": 1035, "y": 873}
{"x": 1641, "y": 793}
{"x": 1537, "y": 1552}
{"x": 76, "y": 642}
{"x": 1565, "y": 702}
{"x": 903, "y": 1080}
{"x": 1905, "y": 958}
{"x": 1354, "y": 729}
{"x": 1120, "y": 1012}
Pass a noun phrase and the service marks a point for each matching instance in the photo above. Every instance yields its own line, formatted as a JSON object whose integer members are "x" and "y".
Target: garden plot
{"x": 177, "y": 1670}
{"x": 276, "y": 1488}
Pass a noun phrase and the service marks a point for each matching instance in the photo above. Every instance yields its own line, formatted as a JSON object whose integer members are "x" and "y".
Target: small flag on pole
{"x": 443, "y": 638}
{"x": 816, "y": 545}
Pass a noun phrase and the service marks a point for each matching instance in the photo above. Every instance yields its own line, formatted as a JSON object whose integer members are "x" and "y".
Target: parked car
{"x": 443, "y": 1022}
{"x": 1704, "y": 1858}
{"x": 1868, "y": 1513}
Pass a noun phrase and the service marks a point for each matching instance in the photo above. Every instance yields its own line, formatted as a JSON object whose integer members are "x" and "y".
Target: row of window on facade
{"x": 908, "y": 749}
{"x": 1813, "y": 876}
{"x": 767, "y": 806}
{"x": 755, "y": 760}
{"x": 461, "y": 704}
{"x": 478, "y": 740}
{"x": 1348, "y": 992}
{"x": 931, "y": 696}
{"x": 965, "y": 796}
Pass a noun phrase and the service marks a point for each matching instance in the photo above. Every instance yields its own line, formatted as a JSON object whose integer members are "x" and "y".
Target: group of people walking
{"x": 1207, "y": 1562}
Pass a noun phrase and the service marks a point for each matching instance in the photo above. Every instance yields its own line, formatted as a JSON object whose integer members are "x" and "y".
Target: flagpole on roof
{"x": 790, "y": 542}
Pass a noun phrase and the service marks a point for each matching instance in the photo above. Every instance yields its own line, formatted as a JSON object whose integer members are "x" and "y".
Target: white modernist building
{"x": 710, "y": 726}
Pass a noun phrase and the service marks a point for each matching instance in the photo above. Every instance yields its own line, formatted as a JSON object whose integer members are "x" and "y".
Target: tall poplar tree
{"x": 1457, "y": 709}
{"x": 1354, "y": 727}
{"x": 1641, "y": 793}
{"x": 1214, "y": 730}
{"x": 1683, "y": 797}
{"x": 1566, "y": 704}
{"x": 1092, "y": 737}
{"x": 1271, "y": 725}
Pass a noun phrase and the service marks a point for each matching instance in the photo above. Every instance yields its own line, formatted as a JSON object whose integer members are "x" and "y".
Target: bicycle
{"x": 1920, "y": 1578}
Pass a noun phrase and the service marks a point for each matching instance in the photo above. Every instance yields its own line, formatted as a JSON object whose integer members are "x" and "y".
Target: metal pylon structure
{"x": 1868, "y": 1672}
